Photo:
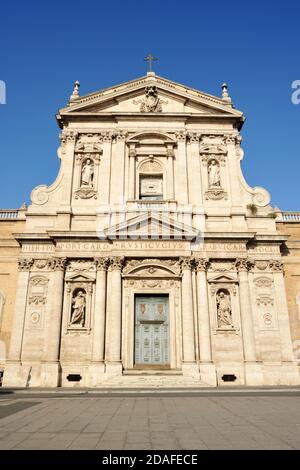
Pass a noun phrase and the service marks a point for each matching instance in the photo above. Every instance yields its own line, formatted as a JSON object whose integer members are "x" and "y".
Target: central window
{"x": 151, "y": 184}
{"x": 151, "y": 187}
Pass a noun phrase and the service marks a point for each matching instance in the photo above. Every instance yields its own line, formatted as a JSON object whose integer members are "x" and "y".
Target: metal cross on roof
{"x": 150, "y": 59}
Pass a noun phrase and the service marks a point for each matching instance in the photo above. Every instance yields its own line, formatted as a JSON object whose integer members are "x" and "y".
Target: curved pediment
{"x": 151, "y": 138}
{"x": 152, "y": 268}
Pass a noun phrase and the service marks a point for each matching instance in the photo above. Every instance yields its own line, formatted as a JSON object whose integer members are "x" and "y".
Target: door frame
{"x": 142, "y": 365}
{"x": 128, "y": 324}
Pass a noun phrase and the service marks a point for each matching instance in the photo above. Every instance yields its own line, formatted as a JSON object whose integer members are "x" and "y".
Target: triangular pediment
{"x": 151, "y": 226}
{"x": 221, "y": 278}
{"x": 130, "y": 96}
{"x": 79, "y": 277}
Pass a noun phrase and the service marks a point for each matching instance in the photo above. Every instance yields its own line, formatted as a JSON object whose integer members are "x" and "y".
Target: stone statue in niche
{"x": 224, "y": 309}
{"x": 214, "y": 178}
{"x": 87, "y": 174}
{"x": 78, "y": 309}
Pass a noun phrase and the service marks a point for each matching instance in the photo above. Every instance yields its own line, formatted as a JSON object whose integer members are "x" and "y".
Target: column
{"x": 203, "y": 312}
{"x": 235, "y": 187}
{"x": 181, "y": 184}
{"x": 196, "y": 190}
{"x": 66, "y": 150}
{"x": 118, "y": 169}
{"x": 252, "y": 368}
{"x": 188, "y": 332}
{"x": 113, "y": 347}
{"x": 105, "y": 174}
{"x": 50, "y": 370}
{"x": 170, "y": 174}
{"x": 98, "y": 326}
{"x": 207, "y": 368}
{"x": 14, "y": 376}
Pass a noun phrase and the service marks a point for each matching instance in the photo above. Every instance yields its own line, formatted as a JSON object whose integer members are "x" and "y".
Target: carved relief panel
{"x": 265, "y": 303}
{"x": 36, "y": 301}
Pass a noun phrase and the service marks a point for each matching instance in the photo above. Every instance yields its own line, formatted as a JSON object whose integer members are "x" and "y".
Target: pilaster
{"x": 113, "y": 337}
{"x": 50, "y": 367}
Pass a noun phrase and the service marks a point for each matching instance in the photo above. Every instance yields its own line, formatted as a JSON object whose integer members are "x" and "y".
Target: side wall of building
{"x": 291, "y": 259}
{"x": 9, "y": 252}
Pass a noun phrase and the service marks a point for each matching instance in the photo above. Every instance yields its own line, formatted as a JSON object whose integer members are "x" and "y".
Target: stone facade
{"x": 150, "y": 261}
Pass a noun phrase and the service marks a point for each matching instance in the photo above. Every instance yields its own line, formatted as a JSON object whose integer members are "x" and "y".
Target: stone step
{"x": 152, "y": 372}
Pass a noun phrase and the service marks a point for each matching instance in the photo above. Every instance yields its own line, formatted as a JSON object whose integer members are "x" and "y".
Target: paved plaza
{"x": 222, "y": 420}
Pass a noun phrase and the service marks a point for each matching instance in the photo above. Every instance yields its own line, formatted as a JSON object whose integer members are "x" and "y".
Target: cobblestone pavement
{"x": 155, "y": 422}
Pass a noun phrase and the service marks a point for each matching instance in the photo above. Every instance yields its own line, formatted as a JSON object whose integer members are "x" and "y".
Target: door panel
{"x": 152, "y": 330}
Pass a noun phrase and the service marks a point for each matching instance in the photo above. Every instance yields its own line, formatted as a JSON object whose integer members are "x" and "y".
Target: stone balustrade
{"x": 9, "y": 213}
{"x": 290, "y": 216}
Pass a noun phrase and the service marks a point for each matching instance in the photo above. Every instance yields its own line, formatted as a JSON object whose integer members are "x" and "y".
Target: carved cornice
{"x": 186, "y": 263}
{"x": 24, "y": 264}
{"x": 263, "y": 282}
{"x": 101, "y": 263}
{"x": 213, "y": 144}
{"x": 80, "y": 265}
{"x": 265, "y": 300}
{"x": 221, "y": 266}
{"x": 116, "y": 263}
{"x": 87, "y": 193}
{"x": 216, "y": 194}
{"x": 40, "y": 263}
{"x": 37, "y": 299}
{"x": 57, "y": 264}
{"x": 201, "y": 264}
{"x": 89, "y": 143}
{"x": 261, "y": 265}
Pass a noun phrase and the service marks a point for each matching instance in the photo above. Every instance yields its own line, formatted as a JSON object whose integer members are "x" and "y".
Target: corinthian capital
{"x": 243, "y": 264}
{"x": 57, "y": 264}
{"x": 277, "y": 266}
{"x": 101, "y": 263}
{"x": 107, "y": 136}
{"x": 194, "y": 137}
{"x": 120, "y": 136}
{"x": 232, "y": 139}
{"x": 181, "y": 136}
{"x": 24, "y": 264}
{"x": 185, "y": 263}
{"x": 201, "y": 264}
{"x": 117, "y": 262}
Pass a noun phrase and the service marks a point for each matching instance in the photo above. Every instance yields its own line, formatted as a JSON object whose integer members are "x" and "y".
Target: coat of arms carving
{"x": 151, "y": 103}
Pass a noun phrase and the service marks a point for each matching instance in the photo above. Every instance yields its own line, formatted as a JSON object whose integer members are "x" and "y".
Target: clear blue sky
{"x": 252, "y": 45}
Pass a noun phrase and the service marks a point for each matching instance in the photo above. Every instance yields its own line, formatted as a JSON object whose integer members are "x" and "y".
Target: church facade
{"x": 149, "y": 261}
